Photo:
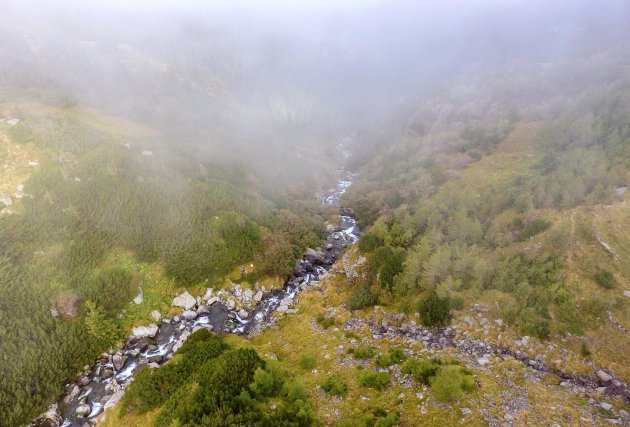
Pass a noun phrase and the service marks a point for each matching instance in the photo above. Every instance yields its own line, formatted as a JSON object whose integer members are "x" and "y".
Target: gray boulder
{"x": 603, "y": 376}
{"x": 155, "y": 315}
{"x": 83, "y": 411}
{"x": 258, "y": 296}
{"x": 145, "y": 331}
{"x": 185, "y": 300}
{"x": 189, "y": 315}
{"x": 118, "y": 361}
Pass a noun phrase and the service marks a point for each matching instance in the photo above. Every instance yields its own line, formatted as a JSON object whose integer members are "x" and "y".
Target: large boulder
{"x": 314, "y": 257}
{"x": 83, "y": 411}
{"x": 189, "y": 315}
{"x": 145, "y": 331}
{"x": 185, "y": 300}
{"x": 604, "y": 377}
{"x": 258, "y": 296}
{"x": 231, "y": 304}
{"x": 118, "y": 361}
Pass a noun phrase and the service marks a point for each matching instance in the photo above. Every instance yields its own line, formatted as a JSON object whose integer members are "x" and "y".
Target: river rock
{"x": 139, "y": 299}
{"x": 213, "y": 300}
{"x": 329, "y": 246}
{"x": 243, "y": 314}
{"x": 282, "y": 308}
{"x": 248, "y": 294}
{"x": 208, "y": 294}
{"x": 145, "y": 331}
{"x": 118, "y": 361}
{"x": 83, "y": 381}
{"x": 83, "y": 411}
{"x": 203, "y": 310}
{"x": 185, "y": 300}
{"x": 189, "y": 315}
{"x": 314, "y": 256}
{"x": 230, "y": 304}
{"x": 155, "y": 315}
{"x": 603, "y": 376}
{"x": 258, "y": 296}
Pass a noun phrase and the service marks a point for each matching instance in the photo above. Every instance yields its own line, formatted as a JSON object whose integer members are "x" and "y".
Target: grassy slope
{"x": 609, "y": 345}
{"x": 501, "y": 381}
{"x": 300, "y": 334}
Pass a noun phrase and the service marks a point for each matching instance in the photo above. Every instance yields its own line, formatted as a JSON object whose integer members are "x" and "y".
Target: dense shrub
{"x": 435, "y": 311}
{"x": 362, "y": 351}
{"x": 422, "y": 370}
{"x": 307, "y": 361}
{"x": 152, "y": 387}
{"x": 375, "y": 380}
{"x": 392, "y": 357}
{"x": 451, "y": 382}
{"x": 605, "y": 279}
{"x": 334, "y": 385}
{"x": 361, "y": 298}
{"x": 369, "y": 242}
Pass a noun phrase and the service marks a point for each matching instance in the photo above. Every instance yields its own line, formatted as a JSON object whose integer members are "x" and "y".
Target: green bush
{"x": 435, "y": 311}
{"x": 422, "y": 370}
{"x": 375, "y": 380}
{"x": 369, "y": 242}
{"x": 268, "y": 381}
{"x": 392, "y": 357}
{"x": 391, "y": 266}
{"x": 447, "y": 383}
{"x": 362, "y": 298}
{"x": 379, "y": 418}
{"x": 334, "y": 385}
{"x": 605, "y": 279}
{"x": 307, "y": 362}
{"x": 362, "y": 351}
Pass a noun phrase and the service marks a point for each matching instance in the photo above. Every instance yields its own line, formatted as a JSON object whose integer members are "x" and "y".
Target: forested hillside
{"x": 98, "y": 213}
